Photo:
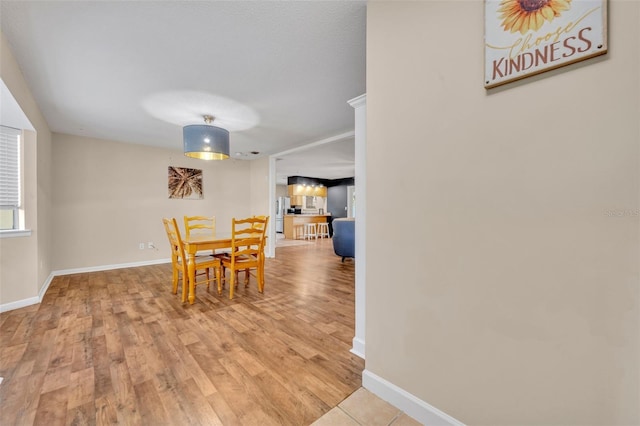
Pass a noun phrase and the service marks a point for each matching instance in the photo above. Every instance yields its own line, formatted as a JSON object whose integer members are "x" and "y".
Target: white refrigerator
{"x": 282, "y": 205}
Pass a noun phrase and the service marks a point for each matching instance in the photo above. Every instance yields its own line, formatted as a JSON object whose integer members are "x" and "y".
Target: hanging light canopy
{"x": 206, "y": 142}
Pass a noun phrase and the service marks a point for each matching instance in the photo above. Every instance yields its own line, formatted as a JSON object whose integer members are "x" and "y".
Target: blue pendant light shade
{"x": 206, "y": 142}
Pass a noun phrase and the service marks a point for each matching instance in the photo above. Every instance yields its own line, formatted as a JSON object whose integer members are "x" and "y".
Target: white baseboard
{"x": 33, "y": 300}
{"x": 403, "y": 400}
{"x": 358, "y": 347}
{"x": 109, "y": 267}
{"x": 19, "y": 304}
{"x": 45, "y": 287}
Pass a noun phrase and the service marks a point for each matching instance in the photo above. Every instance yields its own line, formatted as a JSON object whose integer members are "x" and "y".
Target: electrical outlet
{"x": 141, "y": 246}
{"x": 151, "y": 245}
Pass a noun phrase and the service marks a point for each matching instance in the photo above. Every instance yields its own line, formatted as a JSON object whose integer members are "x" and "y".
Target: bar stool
{"x": 323, "y": 230}
{"x": 310, "y": 230}
{"x": 298, "y": 231}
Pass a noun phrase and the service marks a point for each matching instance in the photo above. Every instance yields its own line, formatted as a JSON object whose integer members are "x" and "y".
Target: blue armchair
{"x": 344, "y": 237}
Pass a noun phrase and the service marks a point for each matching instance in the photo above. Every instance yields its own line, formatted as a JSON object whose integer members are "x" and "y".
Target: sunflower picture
{"x": 185, "y": 183}
{"x": 528, "y": 37}
{"x": 526, "y": 15}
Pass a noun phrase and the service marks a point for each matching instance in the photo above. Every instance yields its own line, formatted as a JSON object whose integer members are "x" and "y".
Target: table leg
{"x": 191, "y": 267}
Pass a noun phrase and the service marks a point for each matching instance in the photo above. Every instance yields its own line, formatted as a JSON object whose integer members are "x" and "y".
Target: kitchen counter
{"x": 292, "y": 220}
{"x": 308, "y": 214}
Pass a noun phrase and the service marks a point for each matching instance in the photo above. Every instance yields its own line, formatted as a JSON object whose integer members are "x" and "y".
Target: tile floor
{"x": 364, "y": 408}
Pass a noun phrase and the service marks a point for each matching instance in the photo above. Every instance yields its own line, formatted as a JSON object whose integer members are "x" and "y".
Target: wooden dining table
{"x": 196, "y": 243}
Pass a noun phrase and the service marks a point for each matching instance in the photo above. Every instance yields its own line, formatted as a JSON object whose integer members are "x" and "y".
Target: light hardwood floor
{"x": 118, "y": 347}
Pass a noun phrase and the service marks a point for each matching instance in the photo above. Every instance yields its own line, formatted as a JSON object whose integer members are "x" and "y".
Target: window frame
{"x": 18, "y": 219}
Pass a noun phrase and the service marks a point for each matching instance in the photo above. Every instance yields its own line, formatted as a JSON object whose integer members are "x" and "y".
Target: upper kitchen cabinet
{"x": 301, "y": 190}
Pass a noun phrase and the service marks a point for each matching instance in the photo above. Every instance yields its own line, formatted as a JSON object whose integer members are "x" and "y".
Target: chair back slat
{"x": 199, "y": 225}
{"x": 247, "y": 236}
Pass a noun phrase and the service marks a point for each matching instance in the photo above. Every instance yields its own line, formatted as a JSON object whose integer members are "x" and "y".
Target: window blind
{"x": 9, "y": 167}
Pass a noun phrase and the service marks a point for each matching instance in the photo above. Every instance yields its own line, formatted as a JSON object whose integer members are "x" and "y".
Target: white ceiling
{"x": 137, "y": 72}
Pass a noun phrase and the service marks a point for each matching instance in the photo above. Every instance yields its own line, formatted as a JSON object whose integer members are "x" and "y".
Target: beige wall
{"x": 261, "y": 197}
{"x": 259, "y": 187}
{"x": 25, "y": 261}
{"x": 282, "y": 191}
{"x": 516, "y": 297}
{"x": 110, "y": 196}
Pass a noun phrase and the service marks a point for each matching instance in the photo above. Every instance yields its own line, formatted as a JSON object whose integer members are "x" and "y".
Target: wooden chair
{"x": 247, "y": 251}
{"x": 179, "y": 261}
{"x": 201, "y": 225}
{"x": 260, "y": 225}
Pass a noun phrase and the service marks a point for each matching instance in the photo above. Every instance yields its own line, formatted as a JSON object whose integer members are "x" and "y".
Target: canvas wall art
{"x": 185, "y": 183}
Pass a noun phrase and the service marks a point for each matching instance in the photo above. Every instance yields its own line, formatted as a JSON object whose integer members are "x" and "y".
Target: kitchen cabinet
{"x": 307, "y": 201}
{"x": 301, "y": 190}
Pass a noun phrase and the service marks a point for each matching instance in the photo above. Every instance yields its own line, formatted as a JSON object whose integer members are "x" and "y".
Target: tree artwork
{"x": 185, "y": 183}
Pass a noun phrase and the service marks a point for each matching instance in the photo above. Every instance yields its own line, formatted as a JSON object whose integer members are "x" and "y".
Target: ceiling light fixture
{"x": 206, "y": 142}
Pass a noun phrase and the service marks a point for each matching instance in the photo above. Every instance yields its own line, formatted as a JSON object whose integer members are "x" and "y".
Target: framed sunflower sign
{"x": 527, "y": 37}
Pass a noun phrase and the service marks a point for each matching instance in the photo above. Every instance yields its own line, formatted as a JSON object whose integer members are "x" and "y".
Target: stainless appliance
{"x": 282, "y": 205}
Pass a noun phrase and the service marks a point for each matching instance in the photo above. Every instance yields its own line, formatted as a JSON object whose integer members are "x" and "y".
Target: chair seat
{"x": 202, "y": 260}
